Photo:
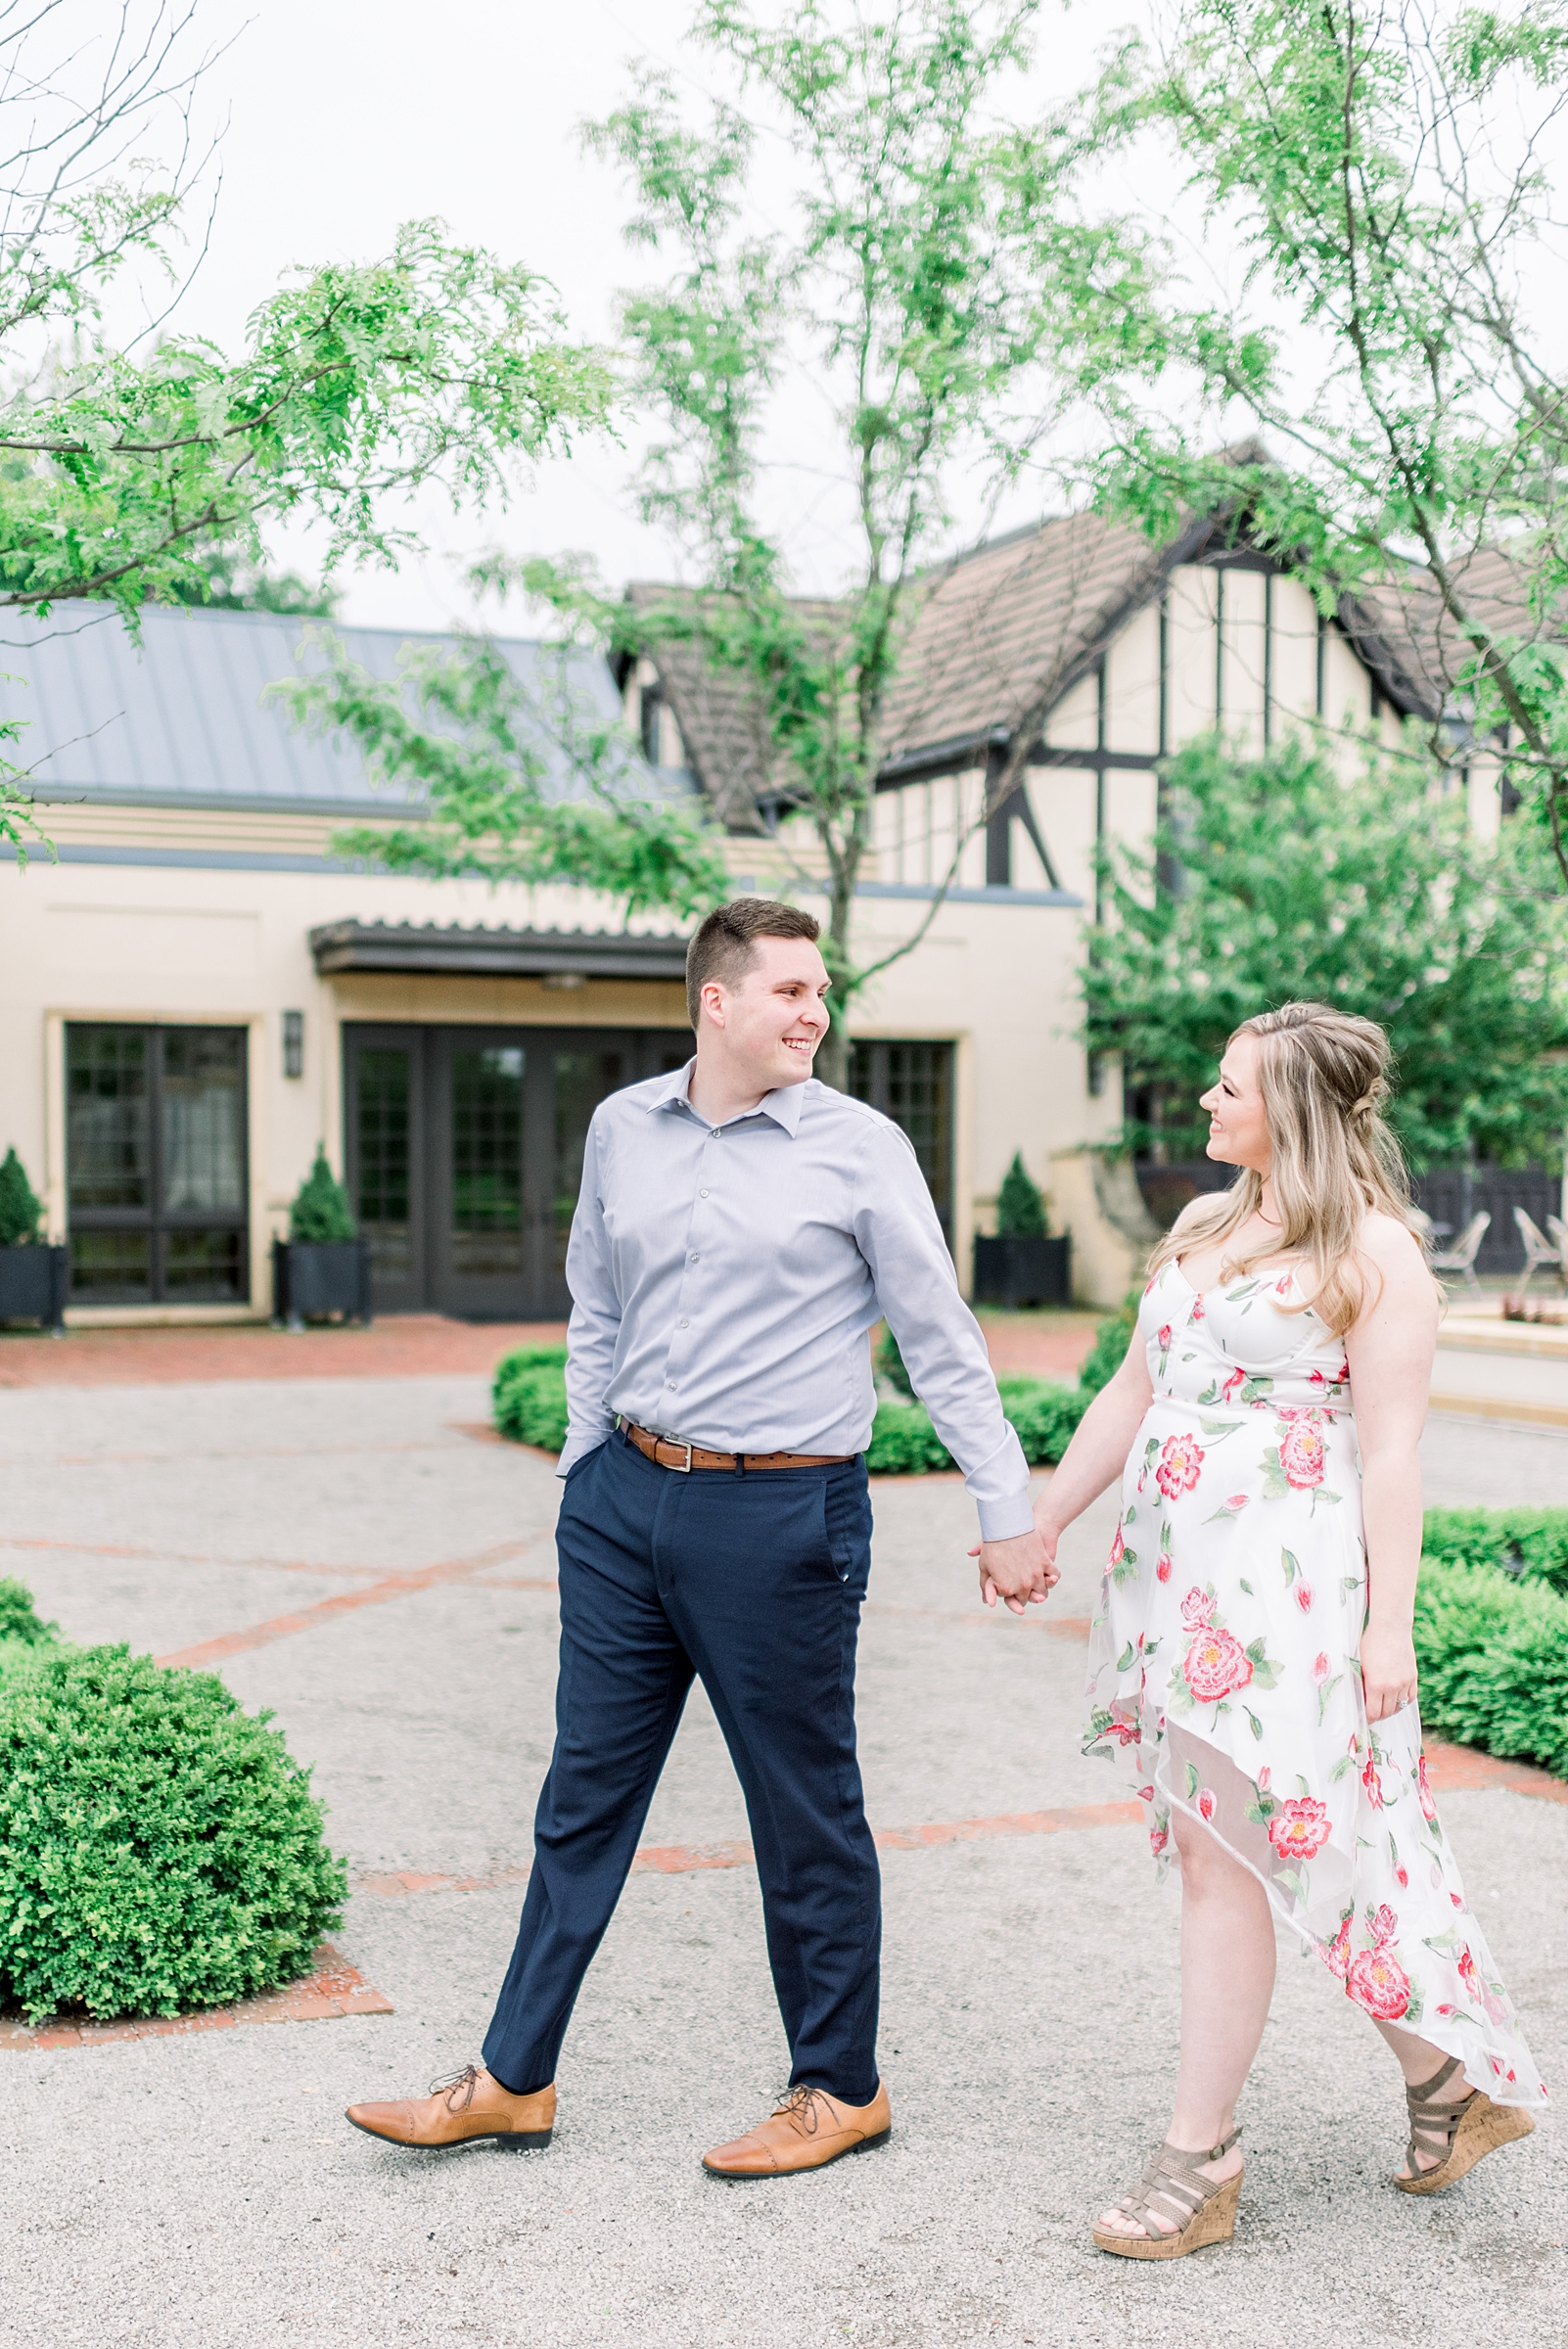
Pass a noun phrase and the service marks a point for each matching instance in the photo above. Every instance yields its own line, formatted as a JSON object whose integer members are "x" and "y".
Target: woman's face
{"x": 1238, "y": 1123}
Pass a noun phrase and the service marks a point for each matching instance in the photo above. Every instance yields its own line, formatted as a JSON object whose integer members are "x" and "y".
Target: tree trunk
{"x": 832, "y": 1063}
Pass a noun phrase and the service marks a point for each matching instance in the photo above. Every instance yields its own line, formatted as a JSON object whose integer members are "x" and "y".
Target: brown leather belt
{"x": 685, "y": 1457}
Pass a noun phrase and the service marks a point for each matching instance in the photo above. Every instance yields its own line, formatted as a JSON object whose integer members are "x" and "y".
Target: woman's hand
{"x": 1388, "y": 1670}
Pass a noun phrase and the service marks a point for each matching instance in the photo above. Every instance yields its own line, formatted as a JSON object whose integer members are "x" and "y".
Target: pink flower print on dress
{"x": 1385, "y": 1924}
{"x": 1303, "y": 1597}
{"x": 1216, "y": 1664}
{"x": 1377, "y": 1981}
{"x": 1320, "y": 1669}
{"x": 1118, "y": 1549}
{"x": 1180, "y": 1465}
{"x": 1163, "y": 1566}
{"x": 1158, "y": 1837}
{"x": 1428, "y": 1806}
{"x": 1300, "y": 1827}
{"x": 1265, "y": 1778}
{"x": 1196, "y": 1314}
{"x": 1207, "y": 1804}
{"x": 1126, "y": 1733}
{"x": 1300, "y": 1453}
{"x": 1197, "y": 1607}
{"x": 1373, "y": 1782}
{"x": 1337, "y": 1954}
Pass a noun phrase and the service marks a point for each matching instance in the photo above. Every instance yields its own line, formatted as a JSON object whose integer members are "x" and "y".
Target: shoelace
{"x": 467, "y": 2077}
{"x": 799, "y": 2106}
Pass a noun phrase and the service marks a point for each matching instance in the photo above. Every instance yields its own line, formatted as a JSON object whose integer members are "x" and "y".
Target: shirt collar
{"x": 783, "y": 1105}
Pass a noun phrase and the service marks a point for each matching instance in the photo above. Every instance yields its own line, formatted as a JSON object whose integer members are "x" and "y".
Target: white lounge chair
{"x": 1460, "y": 1258}
{"x": 1541, "y": 1254}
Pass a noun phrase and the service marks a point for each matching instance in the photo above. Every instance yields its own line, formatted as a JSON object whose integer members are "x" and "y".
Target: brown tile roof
{"x": 1002, "y": 633}
{"x": 998, "y": 636}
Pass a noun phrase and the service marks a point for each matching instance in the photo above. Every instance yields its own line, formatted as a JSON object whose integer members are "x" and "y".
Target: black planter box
{"x": 34, "y": 1283}
{"x": 1023, "y": 1268}
{"x": 314, "y": 1278}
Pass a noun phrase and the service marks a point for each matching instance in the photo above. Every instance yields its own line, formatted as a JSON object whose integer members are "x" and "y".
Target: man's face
{"x": 769, "y": 1023}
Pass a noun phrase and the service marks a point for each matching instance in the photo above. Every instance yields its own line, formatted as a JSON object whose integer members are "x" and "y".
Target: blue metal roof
{"x": 179, "y": 720}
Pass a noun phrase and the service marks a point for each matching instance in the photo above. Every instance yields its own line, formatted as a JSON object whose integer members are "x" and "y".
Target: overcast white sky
{"x": 345, "y": 117}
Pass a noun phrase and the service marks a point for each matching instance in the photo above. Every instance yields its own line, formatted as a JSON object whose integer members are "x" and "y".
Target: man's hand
{"x": 1020, "y": 1570}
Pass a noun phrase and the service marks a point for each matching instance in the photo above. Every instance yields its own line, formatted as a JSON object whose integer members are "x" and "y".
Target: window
{"x": 912, "y": 1085}
{"x": 156, "y": 1165}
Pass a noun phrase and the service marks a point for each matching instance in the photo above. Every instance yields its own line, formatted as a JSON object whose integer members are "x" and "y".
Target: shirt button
{"x": 702, "y": 1195}
{"x": 696, "y": 1260}
{"x": 671, "y": 1384}
{"x": 685, "y": 1326}
{"x": 713, "y": 1136}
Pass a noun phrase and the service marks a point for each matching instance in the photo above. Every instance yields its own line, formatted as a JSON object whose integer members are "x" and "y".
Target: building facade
{"x": 199, "y": 990}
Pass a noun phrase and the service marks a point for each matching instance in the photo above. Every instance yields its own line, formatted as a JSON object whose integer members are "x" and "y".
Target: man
{"x": 739, "y": 1230}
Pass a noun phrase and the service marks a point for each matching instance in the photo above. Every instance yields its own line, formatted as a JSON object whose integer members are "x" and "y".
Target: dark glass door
{"x": 464, "y": 1151}
{"x": 384, "y": 1116}
{"x": 912, "y": 1085}
{"x": 155, "y": 1157}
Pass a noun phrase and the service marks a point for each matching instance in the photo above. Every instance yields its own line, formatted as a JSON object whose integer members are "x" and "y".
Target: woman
{"x": 1251, "y": 1662}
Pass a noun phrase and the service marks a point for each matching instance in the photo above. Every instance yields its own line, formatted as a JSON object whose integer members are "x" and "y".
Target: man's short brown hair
{"x": 726, "y": 946}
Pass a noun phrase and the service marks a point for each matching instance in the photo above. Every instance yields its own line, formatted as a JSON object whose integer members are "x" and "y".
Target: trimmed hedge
{"x": 1111, "y": 1342}
{"x": 1493, "y": 1655}
{"x": 1528, "y": 1543}
{"x": 529, "y": 1402}
{"x": 529, "y": 1396}
{"x": 530, "y": 1406}
{"x": 159, "y": 1848}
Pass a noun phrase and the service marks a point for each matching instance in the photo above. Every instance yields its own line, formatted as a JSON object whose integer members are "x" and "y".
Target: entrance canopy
{"x": 451, "y": 950}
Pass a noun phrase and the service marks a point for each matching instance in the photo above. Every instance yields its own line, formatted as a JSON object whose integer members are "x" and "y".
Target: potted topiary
{"x": 35, "y": 1277}
{"x": 323, "y": 1267}
{"x": 1023, "y": 1265}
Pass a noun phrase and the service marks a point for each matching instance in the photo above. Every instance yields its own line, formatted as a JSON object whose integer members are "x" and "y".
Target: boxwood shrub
{"x": 159, "y": 1850}
{"x": 529, "y": 1406}
{"x": 1528, "y": 1543}
{"x": 528, "y": 1398}
{"x": 1492, "y": 1654}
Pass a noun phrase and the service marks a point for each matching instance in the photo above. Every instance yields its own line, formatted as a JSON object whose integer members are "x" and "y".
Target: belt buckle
{"x": 679, "y": 1467}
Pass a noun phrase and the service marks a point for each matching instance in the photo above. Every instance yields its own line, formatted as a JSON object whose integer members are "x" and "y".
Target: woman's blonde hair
{"x": 1323, "y": 1074}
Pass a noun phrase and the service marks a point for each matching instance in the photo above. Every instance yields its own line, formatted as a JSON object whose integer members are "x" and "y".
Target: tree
{"x": 520, "y": 780}
{"x": 932, "y": 246}
{"x": 1382, "y": 174}
{"x": 124, "y": 474}
{"x": 1370, "y": 894}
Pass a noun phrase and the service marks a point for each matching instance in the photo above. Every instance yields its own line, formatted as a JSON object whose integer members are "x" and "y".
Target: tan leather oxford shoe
{"x": 471, "y": 2104}
{"x": 809, "y": 2128}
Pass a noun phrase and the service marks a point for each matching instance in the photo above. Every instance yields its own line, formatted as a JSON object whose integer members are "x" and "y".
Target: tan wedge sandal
{"x": 1461, "y": 2131}
{"x": 1203, "y": 2212}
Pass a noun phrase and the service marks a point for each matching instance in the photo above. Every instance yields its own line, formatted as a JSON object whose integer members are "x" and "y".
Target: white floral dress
{"x": 1224, "y": 1668}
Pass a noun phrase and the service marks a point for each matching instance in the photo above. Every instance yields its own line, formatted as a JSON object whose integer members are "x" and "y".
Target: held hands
{"x": 1021, "y": 1569}
{"x": 1388, "y": 1670}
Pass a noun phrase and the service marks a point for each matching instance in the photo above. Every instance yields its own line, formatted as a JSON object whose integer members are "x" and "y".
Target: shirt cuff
{"x": 1004, "y": 1520}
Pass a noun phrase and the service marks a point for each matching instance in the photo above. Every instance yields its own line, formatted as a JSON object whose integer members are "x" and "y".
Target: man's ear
{"x": 711, "y": 997}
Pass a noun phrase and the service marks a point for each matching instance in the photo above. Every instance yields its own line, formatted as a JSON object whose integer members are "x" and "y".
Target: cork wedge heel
{"x": 1461, "y": 2130}
{"x": 1203, "y": 2211}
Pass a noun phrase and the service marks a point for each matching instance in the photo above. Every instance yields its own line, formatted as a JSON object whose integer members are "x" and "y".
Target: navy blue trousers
{"x": 754, "y": 1582}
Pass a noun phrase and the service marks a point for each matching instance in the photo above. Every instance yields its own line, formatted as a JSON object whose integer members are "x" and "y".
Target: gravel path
{"x": 206, "y": 2192}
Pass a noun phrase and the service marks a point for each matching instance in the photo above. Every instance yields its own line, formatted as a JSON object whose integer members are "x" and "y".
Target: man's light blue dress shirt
{"x": 723, "y": 1279}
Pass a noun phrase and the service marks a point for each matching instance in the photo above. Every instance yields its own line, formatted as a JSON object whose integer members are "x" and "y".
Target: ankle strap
{"x": 1203, "y": 2153}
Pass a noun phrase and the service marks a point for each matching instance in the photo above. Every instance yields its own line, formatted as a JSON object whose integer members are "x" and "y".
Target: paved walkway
{"x": 348, "y": 1554}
